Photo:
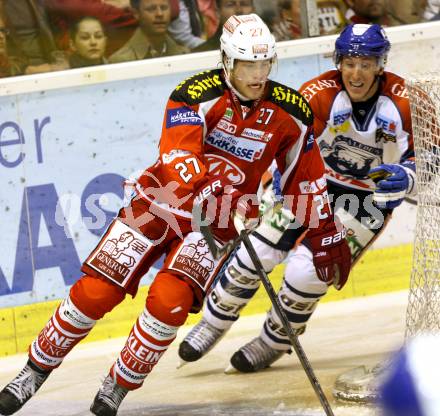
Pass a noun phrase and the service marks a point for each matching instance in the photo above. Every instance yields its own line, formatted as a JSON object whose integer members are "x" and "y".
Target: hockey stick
{"x": 293, "y": 338}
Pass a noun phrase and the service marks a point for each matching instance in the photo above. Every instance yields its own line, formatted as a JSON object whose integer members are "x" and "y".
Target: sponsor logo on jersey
{"x": 340, "y": 117}
{"x": 317, "y": 86}
{"x": 286, "y": 94}
{"x": 312, "y": 187}
{"x": 343, "y": 128}
{"x": 229, "y": 113}
{"x": 309, "y": 143}
{"x": 199, "y": 86}
{"x": 182, "y": 116}
{"x": 387, "y": 125}
{"x": 256, "y": 134}
{"x": 194, "y": 259}
{"x": 227, "y": 126}
{"x": 239, "y": 147}
{"x": 220, "y": 166}
{"x": 386, "y": 131}
{"x": 399, "y": 90}
{"x": 174, "y": 154}
{"x": 119, "y": 253}
{"x": 262, "y": 48}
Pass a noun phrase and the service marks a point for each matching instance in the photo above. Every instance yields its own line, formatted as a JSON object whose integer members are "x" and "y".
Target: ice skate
{"x": 108, "y": 398}
{"x": 21, "y": 388}
{"x": 201, "y": 339}
{"x": 254, "y": 356}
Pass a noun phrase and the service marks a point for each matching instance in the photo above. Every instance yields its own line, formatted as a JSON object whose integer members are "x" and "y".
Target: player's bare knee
{"x": 95, "y": 296}
{"x": 170, "y": 299}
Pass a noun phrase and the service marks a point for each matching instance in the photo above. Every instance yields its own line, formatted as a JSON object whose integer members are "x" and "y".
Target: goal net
{"x": 423, "y": 311}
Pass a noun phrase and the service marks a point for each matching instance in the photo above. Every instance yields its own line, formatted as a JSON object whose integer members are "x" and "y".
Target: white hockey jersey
{"x": 350, "y": 148}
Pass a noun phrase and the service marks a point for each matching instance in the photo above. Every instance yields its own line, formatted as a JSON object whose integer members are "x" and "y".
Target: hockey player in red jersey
{"x": 362, "y": 123}
{"x": 221, "y": 130}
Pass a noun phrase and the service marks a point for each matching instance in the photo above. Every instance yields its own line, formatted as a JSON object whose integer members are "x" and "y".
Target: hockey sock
{"x": 65, "y": 329}
{"x": 148, "y": 340}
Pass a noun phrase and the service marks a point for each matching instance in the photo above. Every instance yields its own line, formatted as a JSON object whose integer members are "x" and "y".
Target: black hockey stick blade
{"x": 293, "y": 338}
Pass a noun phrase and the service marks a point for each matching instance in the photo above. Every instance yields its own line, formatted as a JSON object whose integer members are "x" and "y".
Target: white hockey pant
{"x": 300, "y": 292}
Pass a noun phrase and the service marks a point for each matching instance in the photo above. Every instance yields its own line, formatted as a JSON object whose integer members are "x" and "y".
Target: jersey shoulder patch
{"x": 199, "y": 88}
{"x": 290, "y": 101}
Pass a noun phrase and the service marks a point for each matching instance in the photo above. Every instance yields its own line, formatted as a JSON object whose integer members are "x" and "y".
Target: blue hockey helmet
{"x": 362, "y": 40}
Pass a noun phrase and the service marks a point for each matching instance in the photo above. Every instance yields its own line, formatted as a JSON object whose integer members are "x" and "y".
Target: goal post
{"x": 423, "y": 310}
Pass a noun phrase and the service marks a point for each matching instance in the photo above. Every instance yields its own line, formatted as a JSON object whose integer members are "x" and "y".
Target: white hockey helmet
{"x": 246, "y": 37}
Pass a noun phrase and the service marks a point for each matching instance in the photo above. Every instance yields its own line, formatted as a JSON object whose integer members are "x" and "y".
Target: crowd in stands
{"x": 48, "y": 35}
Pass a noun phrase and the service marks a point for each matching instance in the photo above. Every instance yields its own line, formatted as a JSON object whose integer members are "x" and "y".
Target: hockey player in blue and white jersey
{"x": 363, "y": 126}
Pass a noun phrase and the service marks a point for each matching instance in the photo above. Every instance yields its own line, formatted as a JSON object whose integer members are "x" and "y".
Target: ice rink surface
{"x": 341, "y": 335}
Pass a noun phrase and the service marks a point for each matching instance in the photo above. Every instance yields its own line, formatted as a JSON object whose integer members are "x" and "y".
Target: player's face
{"x": 90, "y": 40}
{"x": 249, "y": 77}
{"x": 154, "y": 16}
{"x": 359, "y": 75}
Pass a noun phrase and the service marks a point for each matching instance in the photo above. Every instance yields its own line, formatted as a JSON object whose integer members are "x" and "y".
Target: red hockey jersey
{"x": 206, "y": 131}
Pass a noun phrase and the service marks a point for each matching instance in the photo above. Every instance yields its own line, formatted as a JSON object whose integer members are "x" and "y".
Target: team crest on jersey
{"x": 220, "y": 166}
{"x": 245, "y": 149}
{"x": 349, "y": 157}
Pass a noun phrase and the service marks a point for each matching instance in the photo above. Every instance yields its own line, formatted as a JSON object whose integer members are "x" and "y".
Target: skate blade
{"x": 230, "y": 369}
{"x": 181, "y": 363}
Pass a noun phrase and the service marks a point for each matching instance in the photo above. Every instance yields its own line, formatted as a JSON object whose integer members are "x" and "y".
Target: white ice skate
{"x": 201, "y": 339}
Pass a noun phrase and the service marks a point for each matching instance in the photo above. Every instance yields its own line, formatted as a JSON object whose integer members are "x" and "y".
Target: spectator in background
{"x": 431, "y": 10}
{"x": 31, "y": 37}
{"x": 119, "y": 22}
{"x": 88, "y": 42}
{"x": 288, "y": 24}
{"x": 226, "y": 8}
{"x": 208, "y": 10}
{"x": 150, "y": 40}
{"x": 403, "y": 12}
{"x": 187, "y": 28}
{"x": 9, "y": 66}
{"x": 367, "y": 11}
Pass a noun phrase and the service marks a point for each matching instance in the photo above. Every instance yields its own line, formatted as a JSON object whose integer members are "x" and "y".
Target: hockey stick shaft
{"x": 293, "y": 338}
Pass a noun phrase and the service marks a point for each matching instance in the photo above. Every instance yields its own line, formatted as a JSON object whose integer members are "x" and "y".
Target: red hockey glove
{"x": 331, "y": 254}
{"x": 219, "y": 201}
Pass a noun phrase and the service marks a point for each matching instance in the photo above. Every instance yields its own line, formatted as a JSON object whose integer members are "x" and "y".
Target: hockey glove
{"x": 331, "y": 254}
{"x": 219, "y": 201}
{"x": 393, "y": 182}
